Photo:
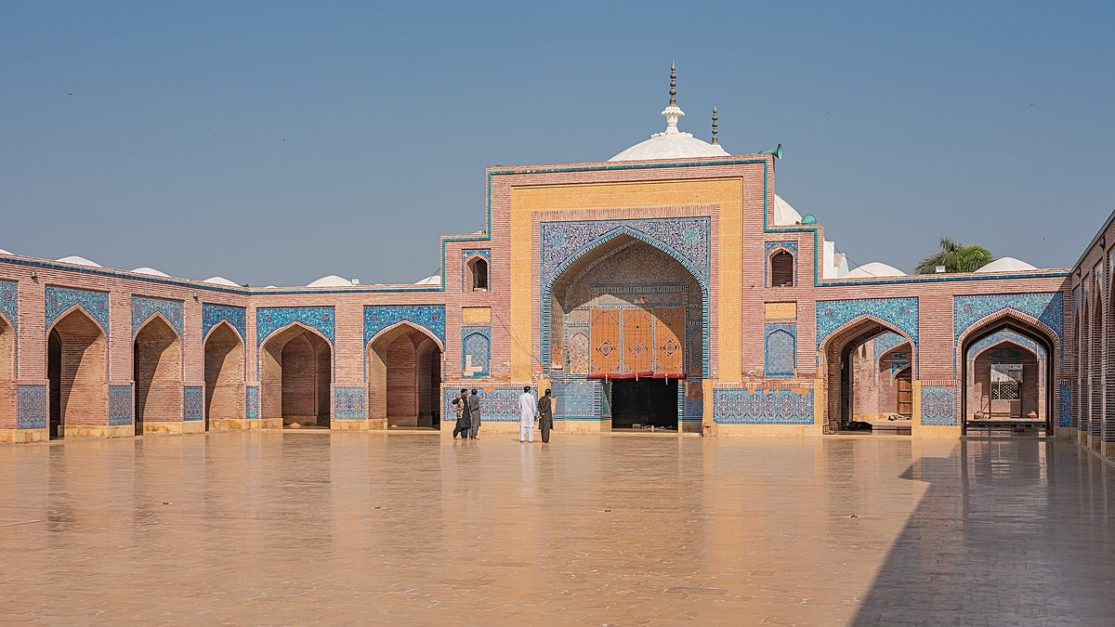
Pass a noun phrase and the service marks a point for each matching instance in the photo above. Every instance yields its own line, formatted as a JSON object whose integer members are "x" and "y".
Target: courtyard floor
{"x": 284, "y": 528}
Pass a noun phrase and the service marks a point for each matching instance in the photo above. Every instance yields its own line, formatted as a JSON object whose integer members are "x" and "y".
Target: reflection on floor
{"x": 358, "y": 527}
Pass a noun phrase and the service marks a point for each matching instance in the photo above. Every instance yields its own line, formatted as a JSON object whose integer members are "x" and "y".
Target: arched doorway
{"x": 77, "y": 370}
{"x": 851, "y": 367}
{"x": 7, "y": 369}
{"x": 1006, "y": 367}
{"x": 404, "y": 378}
{"x": 296, "y": 378}
{"x": 157, "y": 371}
{"x": 224, "y": 376}
{"x": 629, "y": 317}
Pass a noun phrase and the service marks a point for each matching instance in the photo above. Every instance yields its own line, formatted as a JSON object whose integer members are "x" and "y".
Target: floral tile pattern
{"x": 1047, "y": 308}
{"x": 576, "y": 399}
{"x": 59, "y": 300}
{"x": 379, "y": 317}
{"x": 900, "y": 312}
{"x": 271, "y": 319}
{"x": 1064, "y": 413}
{"x": 780, "y": 349}
{"x": 887, "y": 341}
{"x": 193, "y": 403}
{"x": 251, "y": 402}
{"x": 498, "y": 403}
{"x": 743, "y": 406}
{"x": 348, "y": 403}
{"x": 120, "y": 405}
{"x": 212, "y": 315}
{"x": 938, "y": 406}
{"x": 476, "y": 351}
{"x": 9, "y": 302}
{"x": 31, "y": 406}
{"x": 144, "y": 307}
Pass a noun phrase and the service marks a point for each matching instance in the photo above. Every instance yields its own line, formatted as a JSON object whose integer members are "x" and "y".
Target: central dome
{"x": 672, "y": 143}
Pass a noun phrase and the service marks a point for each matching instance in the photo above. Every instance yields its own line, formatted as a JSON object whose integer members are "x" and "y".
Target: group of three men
{"x": 468, "y": 415}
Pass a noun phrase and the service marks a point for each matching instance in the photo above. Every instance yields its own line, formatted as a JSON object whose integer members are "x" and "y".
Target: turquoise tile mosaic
{"x": 938, "y": 406}
{"x": 429, "y": 317}
{"x": 144, "y": 307}
{"x": 120, "y": 405}
{"x": 9, "y": 302}
{"x": 271, "y": 319}
{"x": 212, "y": 315}
{"x": 780, "y": 349}
{"x": 744, "y": 406}
{"x": 348, "y": 403}
{"x": 60, "y": 300}
{"x": 31, "y": 406}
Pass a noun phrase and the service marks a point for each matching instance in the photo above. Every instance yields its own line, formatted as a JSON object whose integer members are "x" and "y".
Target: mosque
{"x": 669, "y": 288}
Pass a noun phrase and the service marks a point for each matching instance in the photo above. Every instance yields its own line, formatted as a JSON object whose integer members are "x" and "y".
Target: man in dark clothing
{"x": 463, "y": 423}
{"x": 474, "y": 414}
{"x": 546, "y": 415}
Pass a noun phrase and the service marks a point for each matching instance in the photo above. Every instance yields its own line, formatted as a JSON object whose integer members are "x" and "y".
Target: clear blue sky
{"x": 276, "y": 142}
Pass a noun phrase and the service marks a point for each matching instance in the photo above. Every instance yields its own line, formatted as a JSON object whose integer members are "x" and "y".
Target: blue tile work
{"x": 887, "y": 341}
{"x": 576, "y": 399}
{"x": 379, "y": 317}
{"x": 693, "y": 408}
{"x": 687, "y": 240}
{"x": 59, "y": 300}
{"x": 938, "y": 406}
{"x": 476, "y": 348}
{"x": 498, "y": 403}
{"x": 9, "y": 302}
{"x": 684, "y": 239}
{"x": 770, "y": 247}
{"x": 780, "y": 349}
{"x": 271, "y": 319}
{"x": 144, "y": 307}
{"x": 902, "y": 313}
{"x": 31, "y": 406}
{"x": 251, "y": 402}
{"x": 193, "y": 403}
{"x": 1004, "y": 335}
{"x": 120, "y": 405}
{"x": 212, "y": 315}
{"x": 348, "y": 403}
{"x": 779, "y": 407}
{"x": 1047, "y": 308}
{"x": 1064, "y": 410}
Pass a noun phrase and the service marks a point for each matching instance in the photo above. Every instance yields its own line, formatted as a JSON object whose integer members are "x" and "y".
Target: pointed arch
{"x": 781, "y": 262}
{"x": 157, "y": 373}
{"x": 477, "y": 273}
{"x": 404, "y": 367}
{"x": 296, "y": 373}
{"x": 224, "y": 375}
{"x": 77, "y": 371}
{"x": 8, "y": 342}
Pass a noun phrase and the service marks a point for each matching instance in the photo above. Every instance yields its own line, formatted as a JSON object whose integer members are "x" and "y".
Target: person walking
{"x": 474, "y": 414}
{"x": 528, "y": 412}
{"x": 463, "y": 424}
{"x": 546, "y": 415}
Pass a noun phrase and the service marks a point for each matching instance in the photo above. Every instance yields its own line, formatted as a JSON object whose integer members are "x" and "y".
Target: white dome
{"x": 150, "y": 271}
{"x": 6, "y": 252}
{"x": 874, "y": 269}
{"x": 784, "y": 214}
{"x": 430, "y": 280}
{"x": 1007, "y": 264}
{"x": 79, "y": 261}
{"x": 330, "y": 281}
{"x": 670, "y": 146}
{"x": 220, "y": 280}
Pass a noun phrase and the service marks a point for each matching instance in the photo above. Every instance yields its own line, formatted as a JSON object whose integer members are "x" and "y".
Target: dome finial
{"x": 672, "y": 112}
{"x": 714, "y": 125}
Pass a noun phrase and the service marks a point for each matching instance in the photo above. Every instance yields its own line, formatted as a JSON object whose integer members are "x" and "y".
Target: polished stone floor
{"x": 282, "y": 528}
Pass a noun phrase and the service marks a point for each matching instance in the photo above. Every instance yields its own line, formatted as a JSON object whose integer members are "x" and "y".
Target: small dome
{"x": 1007, "y": 264}
{"x": 150, "y": 272}
{"x": 220, "y": 280}
{"x": 874, "y": 269}
{"x": 5, "y": 252}
{"x": 79, "y": 261}
{"x": 331, "y": 280}
{"x": 430, "y": 280}
{"x": 784, "y": 214}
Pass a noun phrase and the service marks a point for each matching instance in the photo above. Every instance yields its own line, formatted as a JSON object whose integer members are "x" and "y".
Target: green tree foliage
{"x": 956, "y": 257}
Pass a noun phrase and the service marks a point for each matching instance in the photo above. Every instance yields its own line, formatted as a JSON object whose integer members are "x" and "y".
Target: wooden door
{"x": 638, "y": 342}
{"x": 669, "y": 350}
{"x": 905, "y": 393}
{"x": 605, "y": 342}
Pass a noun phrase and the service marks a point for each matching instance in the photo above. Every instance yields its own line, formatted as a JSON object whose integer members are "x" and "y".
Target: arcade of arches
{"x": 157, "y": 367}
{"x": 295, "y": 373}
{"x": 224, "y": 376}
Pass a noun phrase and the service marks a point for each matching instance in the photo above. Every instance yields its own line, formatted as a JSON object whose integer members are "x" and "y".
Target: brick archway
{"x": 404, "y": 377}
{"x": 836, "y": 355}
{"x": 224, "y": 376}
{"x": 7, "y": 374}
{"x": 296, "y": 375}
{"x": 157, "y": 372}
{"x": 77, "y": 370}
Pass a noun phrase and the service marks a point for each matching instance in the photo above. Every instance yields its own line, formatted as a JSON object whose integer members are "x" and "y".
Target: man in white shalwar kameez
{"x": 528, "y": 412}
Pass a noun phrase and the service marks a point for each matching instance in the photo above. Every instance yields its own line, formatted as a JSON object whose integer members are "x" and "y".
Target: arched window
{"x": 478, "y": 273}
{"x": 782, "y": 269}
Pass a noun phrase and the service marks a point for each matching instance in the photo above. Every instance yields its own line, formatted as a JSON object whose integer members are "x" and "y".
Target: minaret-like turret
{"x": 715, "y": 141}
{"x": 672, "y": 112}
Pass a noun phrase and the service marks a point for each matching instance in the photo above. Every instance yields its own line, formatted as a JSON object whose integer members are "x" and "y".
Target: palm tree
{"x": 956, "y": 257}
